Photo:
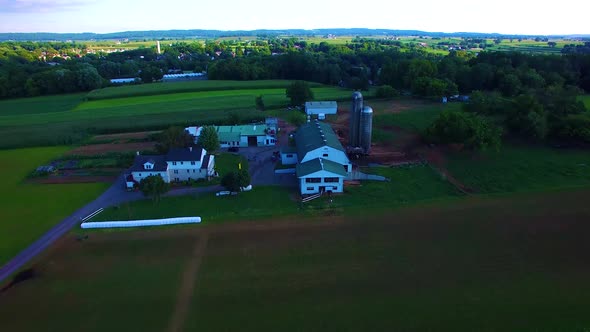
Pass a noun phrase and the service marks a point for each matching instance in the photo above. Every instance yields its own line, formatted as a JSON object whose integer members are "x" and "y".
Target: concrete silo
{"x": 355, "y": 115}
{"x": 366, "y": 129}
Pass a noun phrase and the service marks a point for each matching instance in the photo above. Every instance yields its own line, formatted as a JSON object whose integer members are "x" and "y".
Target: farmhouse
{"x": 320, "y": 108}
{"x": 322, "y": 164}
{"x": 240, "y": 136}
{"x": 177, "y": 165}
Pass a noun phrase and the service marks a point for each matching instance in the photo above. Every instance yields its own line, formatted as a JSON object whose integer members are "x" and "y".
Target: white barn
{"x": 322, "y": 163}
{"x": 321, "y": 108}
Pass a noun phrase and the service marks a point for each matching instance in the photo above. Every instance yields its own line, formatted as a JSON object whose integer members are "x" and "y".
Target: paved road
{"x": 116, "y": 194}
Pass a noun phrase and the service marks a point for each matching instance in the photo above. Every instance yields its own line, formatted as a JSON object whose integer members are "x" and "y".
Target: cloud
{"x": 41, "y": 6}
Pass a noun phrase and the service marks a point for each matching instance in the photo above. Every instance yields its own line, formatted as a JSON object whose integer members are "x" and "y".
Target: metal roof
{"x": 159, "y": 162}
{"x": 185, "y": 154}
{"x": 319, "y": 164}
{"x": 314, "y": 135}
{"x": 244, "y": 130}
{"x": 325, "y": 107}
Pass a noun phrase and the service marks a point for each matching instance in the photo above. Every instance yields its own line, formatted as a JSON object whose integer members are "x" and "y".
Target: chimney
{"x": 190, "y": 148}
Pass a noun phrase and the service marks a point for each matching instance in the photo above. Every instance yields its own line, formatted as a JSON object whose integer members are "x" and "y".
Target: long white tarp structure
{"x": 140, "y": 223}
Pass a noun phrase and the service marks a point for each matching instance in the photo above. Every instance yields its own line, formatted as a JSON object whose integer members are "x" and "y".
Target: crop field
{"x": 28, "y": 210}
{"x": 71, "y": 119}
{"x": 521, "y": 168}
{"x": 189, "y": 86}
{"x": 507, "y": 263}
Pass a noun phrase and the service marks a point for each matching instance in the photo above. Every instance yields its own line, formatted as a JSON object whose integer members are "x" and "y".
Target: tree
{"x": 209, "y": 139}
{"x": 456, "y": 127}
{"x": 259, "y": 103}
{"x": 243, "y": 178}
{"x": 230, "y": 182}
{"x": 527, "y": 117}
{"x": 552, "y": 43}
{"x": 150, "y": 74}
{"x": 296, "y": 118}
{"x": 299, "y": 92}
{"x": 154, "y": 186}
{"x": 173, "y": 137}
{"x": 386, "y": 91}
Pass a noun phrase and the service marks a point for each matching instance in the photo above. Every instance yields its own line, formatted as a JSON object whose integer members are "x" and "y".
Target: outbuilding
{"x": 321, "y": 108}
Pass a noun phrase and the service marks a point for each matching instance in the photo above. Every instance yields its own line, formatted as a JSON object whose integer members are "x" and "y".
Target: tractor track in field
{"x": 187, "y": 284}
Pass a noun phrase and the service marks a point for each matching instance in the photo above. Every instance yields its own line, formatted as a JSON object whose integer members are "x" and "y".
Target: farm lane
{"x": 116, "y": 194}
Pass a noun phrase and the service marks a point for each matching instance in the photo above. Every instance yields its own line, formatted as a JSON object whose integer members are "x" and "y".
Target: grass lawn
{"x": 409, "y": 185}
{"x": 418, "y": 118}
{"x": 261, "y": 202}
{"x": 28, "y": 210}
{"x": 126, "y": 285}
{"x": 521, "y": 169}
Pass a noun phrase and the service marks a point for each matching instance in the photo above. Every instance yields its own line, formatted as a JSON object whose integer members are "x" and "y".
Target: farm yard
{"x": 405, "y": 269}
{"x": 27, "y": 210}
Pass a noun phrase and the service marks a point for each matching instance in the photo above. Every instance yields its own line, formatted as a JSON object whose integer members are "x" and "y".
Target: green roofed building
{"x": 322, "y": 163}
{"x": 240, "y": 136}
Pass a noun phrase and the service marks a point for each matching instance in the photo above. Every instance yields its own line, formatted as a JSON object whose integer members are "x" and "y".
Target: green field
{"x": 189, "y": 86}
{"x": 69, "y": 119}
{"x": 28, "y": 210}
{"x": 520, "y": 168}
{"x": 127, "y": 285}
{"x": 514, "y": 263}
{"x": 418, "y": 118}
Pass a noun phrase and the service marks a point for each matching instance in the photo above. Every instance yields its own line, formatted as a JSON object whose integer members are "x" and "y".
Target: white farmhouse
{"x": 177, "y": 165}
{"x": 322, "y": 164}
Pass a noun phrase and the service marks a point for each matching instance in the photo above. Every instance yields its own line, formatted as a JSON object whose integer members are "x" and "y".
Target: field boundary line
{"x": 187, "y": 284}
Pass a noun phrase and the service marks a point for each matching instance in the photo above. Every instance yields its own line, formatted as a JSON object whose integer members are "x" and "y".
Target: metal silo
{"x": 366, "y": 130}
{"x": 355, "y": 115}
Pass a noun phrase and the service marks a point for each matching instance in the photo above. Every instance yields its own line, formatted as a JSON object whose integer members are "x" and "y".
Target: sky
{"x": 542, "y": 17}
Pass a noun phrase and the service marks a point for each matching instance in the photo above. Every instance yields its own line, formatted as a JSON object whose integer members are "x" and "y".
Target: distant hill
{"x": 189, "y": 34}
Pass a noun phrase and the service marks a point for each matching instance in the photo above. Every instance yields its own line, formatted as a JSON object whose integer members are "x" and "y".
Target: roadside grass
{"x": 521, "y": 168}
{"x": 261, "y": 202}
{"x": 128, "y": 285}
{"x": 189, "y": 86}
{"x": 475, "y": 265}
{"x": 29, "y": 210}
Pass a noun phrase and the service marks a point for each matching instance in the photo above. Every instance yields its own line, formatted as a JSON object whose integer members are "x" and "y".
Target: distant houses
{"x": 181, "y": 164}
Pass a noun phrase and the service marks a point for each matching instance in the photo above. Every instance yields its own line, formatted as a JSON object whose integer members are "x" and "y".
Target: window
{"x": 139, "y": 174}
{"x": 182, "y": 162}
{"x": 309, "y": 188}
{"x": 192, "y": 162}
{"x": 313, "y": 180}
{"x": 174, "y": 163}
{"x": 273, "y": 140}
{"x": 290, "y": 156}
{"x": 325, "y": 155}
{"x": 177, "y": 179}
{"x": 335, "y": 188}
{"x": 188, "y": 170}
{"x": 328, "y": 180}
{"x": 175, "y": 171}
{"x": 194, "y": 170}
